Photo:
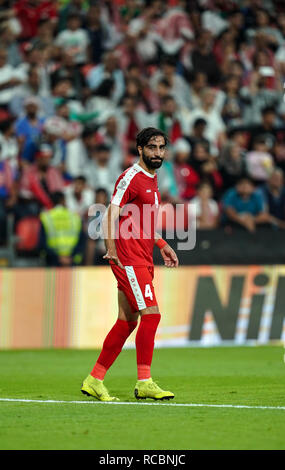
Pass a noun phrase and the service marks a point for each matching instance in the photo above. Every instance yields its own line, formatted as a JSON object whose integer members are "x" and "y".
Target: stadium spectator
{"x": 215, "y": 130}
{"x": 232, "y": 163}
{"x": 244, "y": 206}
{"x": 101, "y": 101}
{"x": 211, "y": 18}
{"x": 95, "y": 245}
{"x": 202, "y": 58}
{"x": 44, "y": 37}
{"x": 274, "y": 195}
{"x": 225, "y": 50}
{"x": 29, "y": 127}
{"x": 11, "y": 79}
{"x": 233, "y": 104}
{"x": 237, "y": 68}
{"x": 108, "y": 69}
{"x": 178, "y": 85}
{"x": 268, "y": 128}
{"x": 198, "y": 82}
{"x": 167, "y": 181}
{"x": 74, "y": 40}
{"x": 204, "y": 208}
{"x": 174, "y": 29}
{"x": 109, "y": 134}
{"x": 7, "y": 195}
{"x": 278, "y": 153}
{"x": 98, "y": 171}
{"x": 280, "y": 22}
{"x": 87, "y": 142}
{"x": 32, "y": 87}
{"x": 61, "y": 239}
{"x": 169, "y": 119}
{"x": 63, "y": 90}
{"x": 131, "y": 120}
{"x": 79, "y": 197}
{"x": 68, "y": 69}
{"x": 55, "y": 134}
{"x": 206, "y": 166}
{"x": 186, "y": 177}
{"x": 38, "y": 181}
{"x": 128, "y": 55}
{"x": 236, "y": 24}
{"x": 280, "y": 53}
{"x": 259, "y": 161}
{"x": 130, "y": 10}
{"x": 41, "y": 56}
{"x": 271, "y": 35}
{"x": 29, "y": 13}
{"x": 265, "y": 88}
{"x": 135, "y": 89}
{"x": 145, "y": 29}
{"x": 102, "y": 34}
{"x": 111, "y": 18}
{"x": 69, "y": 147}
{"x": 157, "y": 95}
{"x": 10, "y": 44}
{"x": 198, "y": 133}
{"x": 73, "y": 6}
{"x": 9, "y": 145}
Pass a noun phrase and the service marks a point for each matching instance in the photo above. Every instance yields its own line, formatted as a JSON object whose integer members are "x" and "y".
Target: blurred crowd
{"x": 79, "y": 79}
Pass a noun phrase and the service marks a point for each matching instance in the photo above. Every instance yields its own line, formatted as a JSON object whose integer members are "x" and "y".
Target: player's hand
{"x": 169, "y": 256}
{"x": 113, "y": 257}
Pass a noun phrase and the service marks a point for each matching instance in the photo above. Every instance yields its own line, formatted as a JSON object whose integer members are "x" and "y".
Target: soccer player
{"x": 134, "y": 204}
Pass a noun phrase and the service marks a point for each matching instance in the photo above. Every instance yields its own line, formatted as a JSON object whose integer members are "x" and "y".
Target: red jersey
{"x": 29, "y": 15}
{"x": 136, "y": 191}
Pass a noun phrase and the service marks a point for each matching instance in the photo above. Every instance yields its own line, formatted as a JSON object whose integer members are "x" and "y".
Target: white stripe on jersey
{"x": 139, "y": 168}
{"x": 135, "y": 287}
{"x": 125, "y": 181}
{"x": 123, "y": 185}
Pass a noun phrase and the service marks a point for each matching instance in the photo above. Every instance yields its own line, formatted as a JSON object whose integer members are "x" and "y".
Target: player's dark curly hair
{"x": 147, "y": 133}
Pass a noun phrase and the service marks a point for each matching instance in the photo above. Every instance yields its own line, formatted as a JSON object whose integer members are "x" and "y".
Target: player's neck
{"x": 143, "y": 165}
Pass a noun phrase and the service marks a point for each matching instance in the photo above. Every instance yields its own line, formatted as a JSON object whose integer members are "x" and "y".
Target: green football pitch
{"x": 225, "y": 398}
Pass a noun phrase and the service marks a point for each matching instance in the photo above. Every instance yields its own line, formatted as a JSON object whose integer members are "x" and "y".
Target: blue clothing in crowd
{"x": 23, "y": 127}
{"x": 253, "y": 205}
{"x": 275, "y": 204}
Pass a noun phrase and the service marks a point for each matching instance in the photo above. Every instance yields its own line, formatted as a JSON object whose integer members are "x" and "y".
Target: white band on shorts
{"x": 135, "y": 287}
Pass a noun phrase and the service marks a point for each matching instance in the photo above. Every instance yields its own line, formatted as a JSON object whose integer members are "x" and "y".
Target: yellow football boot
{"x": 149, "y": 389}
{"x": 95, "y": 388}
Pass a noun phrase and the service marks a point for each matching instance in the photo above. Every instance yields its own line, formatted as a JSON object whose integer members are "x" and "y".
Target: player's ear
{"x": 139, "y": 150}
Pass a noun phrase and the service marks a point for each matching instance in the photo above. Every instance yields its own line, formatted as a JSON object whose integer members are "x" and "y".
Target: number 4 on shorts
{"x": 147, "y": 292}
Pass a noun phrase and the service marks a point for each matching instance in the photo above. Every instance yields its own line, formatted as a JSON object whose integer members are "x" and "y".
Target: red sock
{"x": 145, "y": 343}
{"x": 112, "y": 347}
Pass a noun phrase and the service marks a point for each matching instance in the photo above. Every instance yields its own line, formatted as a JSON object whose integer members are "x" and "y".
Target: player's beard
{"x": 152, "y": 162}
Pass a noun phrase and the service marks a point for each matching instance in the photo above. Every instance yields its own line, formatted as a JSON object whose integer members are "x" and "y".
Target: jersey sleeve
{"x": 125, "y": 189}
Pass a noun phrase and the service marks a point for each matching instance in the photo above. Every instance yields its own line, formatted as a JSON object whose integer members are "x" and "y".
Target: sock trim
{"x": 143, "y": 372}
{"x": 98, "y": 371}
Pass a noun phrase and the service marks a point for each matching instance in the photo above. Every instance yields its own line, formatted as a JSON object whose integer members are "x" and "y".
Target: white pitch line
{"x": 191, "y": 405}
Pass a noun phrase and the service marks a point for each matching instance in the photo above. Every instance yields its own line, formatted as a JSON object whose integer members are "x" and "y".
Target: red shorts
{"x": 136, "y": 283}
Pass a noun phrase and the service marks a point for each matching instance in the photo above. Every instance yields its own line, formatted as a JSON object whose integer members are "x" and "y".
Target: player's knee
{"x": 150, "y": 310}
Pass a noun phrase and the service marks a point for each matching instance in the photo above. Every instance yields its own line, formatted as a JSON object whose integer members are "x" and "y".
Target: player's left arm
{"x": 168, "y": 254}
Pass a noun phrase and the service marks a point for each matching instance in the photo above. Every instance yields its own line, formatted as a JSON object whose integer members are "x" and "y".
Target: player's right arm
{"x": 124, "y": 192}
{"x": 109, "y": 223}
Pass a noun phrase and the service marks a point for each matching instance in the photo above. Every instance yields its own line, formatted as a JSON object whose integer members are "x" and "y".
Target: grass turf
{"x": 238, "y": 376}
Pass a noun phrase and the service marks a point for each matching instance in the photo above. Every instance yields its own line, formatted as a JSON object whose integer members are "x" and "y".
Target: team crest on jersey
{"x": 122, "y": 184}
